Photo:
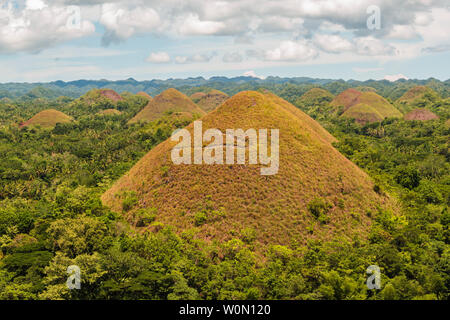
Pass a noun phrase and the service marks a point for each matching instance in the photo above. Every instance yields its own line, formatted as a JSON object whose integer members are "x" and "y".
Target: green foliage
{"x": 319, "y": 208}
{"x": 408, "y": 177}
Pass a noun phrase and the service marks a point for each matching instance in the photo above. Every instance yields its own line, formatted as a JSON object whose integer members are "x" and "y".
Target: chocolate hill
{"x": 315, "y": 96}
{"x": 421, "y": 115}
{"x": 211, "y": 100}
{"x": 170, "y": 102}
{"x": 416, "y": 97}
{"x": 47, "y": 119}
{"x": 317, "y": 192}
{"x": 364, "y": 107}
{"x": 145, "y": 95}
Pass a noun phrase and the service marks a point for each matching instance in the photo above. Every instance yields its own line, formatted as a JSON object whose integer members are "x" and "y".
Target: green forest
{"x": 51, "y": 215}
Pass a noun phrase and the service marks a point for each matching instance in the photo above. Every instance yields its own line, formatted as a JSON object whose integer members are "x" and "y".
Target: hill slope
{"x": 346, "y": 99}
{"x": 170, "y": 101}
{"x": 421, "y": 115}
{"x": 47, "y": 119}
{"x": 145, "y": 95}
{"x": 211, "y": 100}
{"x": 315, "y": 96}
{"x": 218, "y": 201}
{"x": 417, "y": 97}
{"x": 364, "y": 107}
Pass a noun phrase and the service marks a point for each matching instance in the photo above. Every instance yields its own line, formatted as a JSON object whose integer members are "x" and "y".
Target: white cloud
{"x": 291, "y": 51}
{"x": 158, "y": 57}
{"x": 38, "y": 27}
{"x": 402, "y": 32}
{"x": 35, "y": 5}
{"x": 192, "y": 25}
{"x": 121, "y": 22}
{"x": 371, "y": 46}
{"x": 332, "y": 43}
{"x": 395, "y": 77}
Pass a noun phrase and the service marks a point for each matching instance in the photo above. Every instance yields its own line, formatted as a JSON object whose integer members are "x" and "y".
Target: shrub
{"x": 408, "y": 178}
{"x": 145, "y": 216}
{"x": 129, "y": 201}
{"x": 319, "y": 208}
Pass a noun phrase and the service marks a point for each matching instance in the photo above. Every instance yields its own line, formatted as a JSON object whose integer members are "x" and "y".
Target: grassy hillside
{"x": 145, "y": 95}
{"x": 417, "y": 97}
{"x": 364, "y": 107}
{"x": 209, "y": 101}
{"x": 169, "y": 102}
{"x": 47, "y": 119}
{"x": 346, "y": 99}
{"x": 314, "y": 97}
{"x": 421, "y": 115}
{"x": 317, "y": 193}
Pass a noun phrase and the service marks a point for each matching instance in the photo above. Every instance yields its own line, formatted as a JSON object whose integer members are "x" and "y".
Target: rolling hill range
{"x": 210, "y": 100}
{"x": 168, "y": 102}
{"x": 364, "y": 107}
{"x": 317, "y": 193}
{"x": 47, "y": 119}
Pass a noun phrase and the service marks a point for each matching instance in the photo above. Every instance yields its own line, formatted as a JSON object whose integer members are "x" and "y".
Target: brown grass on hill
{"x": 197, "y": 96}
{"x": 414, "y": 93}
{"x": 346, "y": 99}
{"x": 110, "y": 94}
{"x": 421, "y": 115}
{"x": 47, "y": 119}
{"x": 211, "y": 100}
{"x": 276, "y": 207}
{"x": 170, "y": 101}
{"x": 145, "y": 95}
{"x": 364, "y": 107}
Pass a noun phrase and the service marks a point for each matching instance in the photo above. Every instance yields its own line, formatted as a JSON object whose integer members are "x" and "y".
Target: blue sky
{"x": 341, "y": 39}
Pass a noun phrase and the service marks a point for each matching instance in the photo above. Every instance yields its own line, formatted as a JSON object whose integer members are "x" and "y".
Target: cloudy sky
{"x": 44, "y": 40}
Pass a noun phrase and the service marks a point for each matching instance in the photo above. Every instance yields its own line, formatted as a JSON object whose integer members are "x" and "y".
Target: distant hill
{"x": 47, "y": 119}
{"x": 421, "y": 115}
{"x": 316, "y": 194}
{"x": 168, "y": 102}
{"x": 110, "y": 94}
{"x": 145, "y": 95}
{"x": 211, "y": 100}
{"x": 364, "y": 107}
{"x": 197, "y": 96}
{"x": 315, "y": 97}
{"x": 417, "y": 97}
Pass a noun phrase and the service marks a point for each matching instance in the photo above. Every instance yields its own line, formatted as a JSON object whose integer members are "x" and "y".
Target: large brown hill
{"x": 317, "y": 192}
